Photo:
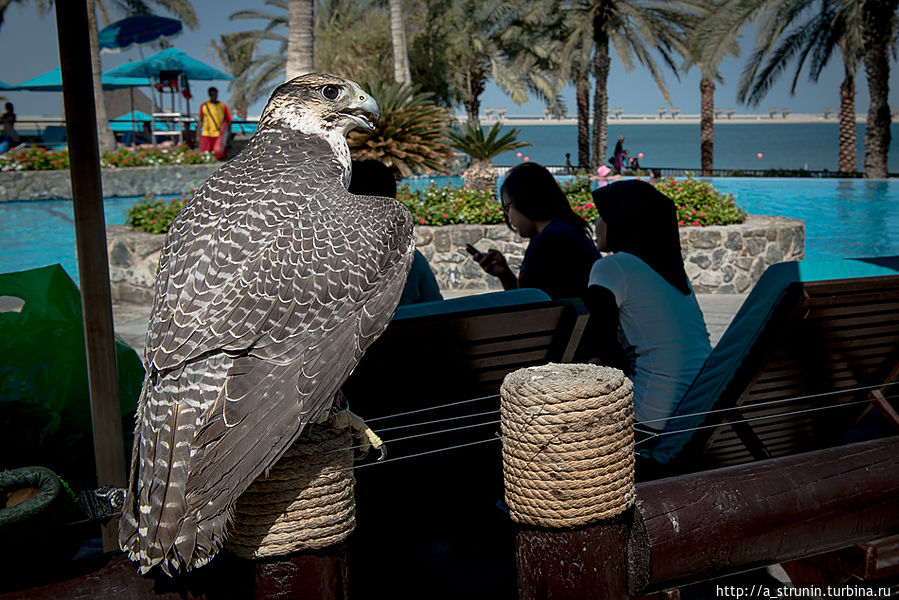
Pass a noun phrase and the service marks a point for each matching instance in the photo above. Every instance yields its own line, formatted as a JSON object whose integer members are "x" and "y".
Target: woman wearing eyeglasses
{"x": 560, "y": 254}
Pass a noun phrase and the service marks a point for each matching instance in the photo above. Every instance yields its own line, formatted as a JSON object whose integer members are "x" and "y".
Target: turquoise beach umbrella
{"x": 169, "y": 60}
{"x": 51, "y": 81}
{"x": 138, "y": 29}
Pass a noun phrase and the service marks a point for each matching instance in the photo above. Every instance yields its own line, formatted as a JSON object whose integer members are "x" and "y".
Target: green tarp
{"x": 45, "y": 416}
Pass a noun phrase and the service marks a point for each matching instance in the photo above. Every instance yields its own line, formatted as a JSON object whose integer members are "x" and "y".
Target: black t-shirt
{"x": 558, "y": 261}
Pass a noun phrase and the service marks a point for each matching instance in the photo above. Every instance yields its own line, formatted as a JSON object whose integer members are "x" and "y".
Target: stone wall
{"x": 132, "y": 181}
{"x": 133, "y": 258}
{"x": 730, "y": 259}
{"x": 718, "y": 260}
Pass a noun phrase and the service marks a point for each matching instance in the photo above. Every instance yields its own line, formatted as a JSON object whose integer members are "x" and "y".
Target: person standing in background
{"x": 215, "y": 121}
{"x": 618, "y": 156}
{"x": 10, "y": 137}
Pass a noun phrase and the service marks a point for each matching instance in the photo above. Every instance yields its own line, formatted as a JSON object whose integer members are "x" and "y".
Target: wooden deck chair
{"x": 421, "y": 519}
{"x": 814, "y": 344}
{"x": 53, "y": 137}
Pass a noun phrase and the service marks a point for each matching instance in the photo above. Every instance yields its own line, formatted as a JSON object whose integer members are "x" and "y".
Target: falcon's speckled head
{"x": 319, "y": 103}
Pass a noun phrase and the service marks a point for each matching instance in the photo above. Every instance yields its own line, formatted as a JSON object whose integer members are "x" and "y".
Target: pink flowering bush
{"x": 449, "y": 205}
{"x": 155, "y": 215}
{"x": 698, "y": 203}
{"x": 34, "y": 158}
{"x": 152, "y": 156}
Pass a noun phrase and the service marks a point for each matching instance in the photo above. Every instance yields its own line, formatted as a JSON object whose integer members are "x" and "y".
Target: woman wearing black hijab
{"x": 643, "y": 282}
{"x": 560, "y": 253}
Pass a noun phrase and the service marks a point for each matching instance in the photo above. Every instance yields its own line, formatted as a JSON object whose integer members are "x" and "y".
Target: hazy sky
{"x": 28, "y": 44}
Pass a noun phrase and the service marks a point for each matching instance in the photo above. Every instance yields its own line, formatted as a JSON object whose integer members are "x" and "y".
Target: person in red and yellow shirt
{"x": 213, "y": 115}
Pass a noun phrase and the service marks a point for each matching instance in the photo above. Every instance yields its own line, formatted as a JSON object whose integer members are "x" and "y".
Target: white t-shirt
{"x": 665, "y": 332}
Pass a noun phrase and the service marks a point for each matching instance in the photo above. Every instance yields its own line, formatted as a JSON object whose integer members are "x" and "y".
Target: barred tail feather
{"x": 156, "y": 528}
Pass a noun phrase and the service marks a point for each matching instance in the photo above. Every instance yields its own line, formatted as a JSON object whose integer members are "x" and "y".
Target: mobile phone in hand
{"x": 475, "y": 253}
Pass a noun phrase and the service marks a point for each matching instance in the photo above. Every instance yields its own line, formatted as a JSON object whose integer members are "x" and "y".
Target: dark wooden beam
{"x": 90, "y": 239}
{"x": 307, "y": 576}
{"x": 709, "y": 524}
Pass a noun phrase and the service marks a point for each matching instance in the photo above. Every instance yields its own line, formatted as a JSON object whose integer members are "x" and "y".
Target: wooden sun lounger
{"x": 441, "y": 352}
{"x": 810, "y": 350}
{"x": 421, "y": 521}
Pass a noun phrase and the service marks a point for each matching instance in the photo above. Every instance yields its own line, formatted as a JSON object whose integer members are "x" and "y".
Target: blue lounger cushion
{"x": 735, "y": 345}
{"x": 468, "y": 303}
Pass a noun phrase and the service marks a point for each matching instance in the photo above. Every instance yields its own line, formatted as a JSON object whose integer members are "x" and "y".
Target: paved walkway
{"x": 719, "y": 309}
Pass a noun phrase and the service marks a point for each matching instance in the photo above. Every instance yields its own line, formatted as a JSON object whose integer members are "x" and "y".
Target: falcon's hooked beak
{"x": 364, "y": 110}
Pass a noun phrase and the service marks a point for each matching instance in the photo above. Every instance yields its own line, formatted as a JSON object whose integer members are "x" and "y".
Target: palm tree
{"x": 350, "y": 38}
{"x": 105, "y": 137}
{"x": 401, "y": 72}
{"x": 879, "y": 35}
{"x": 637, "y": 29}
{"x": 468, "y": 34}
{"x": 43, "y": 6}
{"x": 408, "y": 136}
{"x": 182, "y": 9}
{"x": 471, "y": 52}
{"x": 481, "y": 175}
{"x": 813, "y": 30}
{"x": 706, "y": 50}
{"x": 300, "y": 38}
{"x": 535, "y": 41}
{"x": 236, "y": 51}
{"x": 878, "y": 31}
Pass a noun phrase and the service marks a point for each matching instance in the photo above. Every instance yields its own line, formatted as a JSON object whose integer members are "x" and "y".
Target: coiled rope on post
{"x": 568, "y": 444}
{"x": 305, "y": 502}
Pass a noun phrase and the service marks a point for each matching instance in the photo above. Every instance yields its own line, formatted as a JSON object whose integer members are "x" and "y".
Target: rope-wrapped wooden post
{"x": 568, "y": 462}
{"x": 304, "y": 503}
{"x": 300, "y": 511}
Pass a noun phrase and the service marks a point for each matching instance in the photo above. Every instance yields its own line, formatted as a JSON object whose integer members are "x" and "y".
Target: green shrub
{"x": 449, "y": 205}
{"x": 34, "y": 158}
{"x": 155, "y": 215}
{"x": 698, "y": 204}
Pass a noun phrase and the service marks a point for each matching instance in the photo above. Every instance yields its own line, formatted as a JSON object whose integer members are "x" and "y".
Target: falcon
{"x": 272, "y": 283}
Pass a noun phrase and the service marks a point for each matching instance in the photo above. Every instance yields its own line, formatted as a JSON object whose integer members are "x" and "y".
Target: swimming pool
{"x": 844, "y": 218}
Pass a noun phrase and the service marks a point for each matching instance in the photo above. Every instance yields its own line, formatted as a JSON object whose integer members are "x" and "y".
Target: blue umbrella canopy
{"x": 5, "y": 86}
{"x": 51, "y": 81}
{"x": 138, "y": 29}
{"x": 170, "y": 60}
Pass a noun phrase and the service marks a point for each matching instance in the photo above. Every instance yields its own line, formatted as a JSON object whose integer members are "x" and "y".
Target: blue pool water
{"x": 42, "y": 232}
{"x": 844, "y": 218}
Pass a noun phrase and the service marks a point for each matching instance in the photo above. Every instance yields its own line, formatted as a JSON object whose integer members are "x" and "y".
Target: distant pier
{"x": 670, "y": 117}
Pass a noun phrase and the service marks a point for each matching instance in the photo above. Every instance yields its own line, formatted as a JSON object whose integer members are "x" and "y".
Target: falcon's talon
{"x": 367, "y": 438}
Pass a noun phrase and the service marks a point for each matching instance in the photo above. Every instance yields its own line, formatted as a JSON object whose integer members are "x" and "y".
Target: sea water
{"x": 812, "y": 146}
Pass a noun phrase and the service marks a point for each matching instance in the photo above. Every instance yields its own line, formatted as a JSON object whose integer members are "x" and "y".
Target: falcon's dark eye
{"x": 331, "y": 92}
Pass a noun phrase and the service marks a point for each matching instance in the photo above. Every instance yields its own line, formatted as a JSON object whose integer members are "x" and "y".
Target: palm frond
{"x": 473, "y": 141}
